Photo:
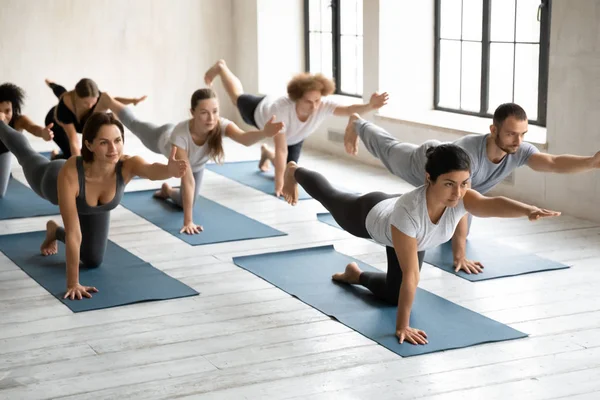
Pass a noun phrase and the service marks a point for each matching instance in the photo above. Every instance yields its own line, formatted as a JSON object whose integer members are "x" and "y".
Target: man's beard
{"x": 506, "y": 149}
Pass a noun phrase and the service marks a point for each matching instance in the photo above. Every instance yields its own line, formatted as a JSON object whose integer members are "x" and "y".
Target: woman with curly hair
{"x": 11, "y": 104}
{"x": 302, "y": 111}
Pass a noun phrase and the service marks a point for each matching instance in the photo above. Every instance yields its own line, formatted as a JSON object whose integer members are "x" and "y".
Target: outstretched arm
{"x": 130, "y": 100}
{"x": 564, "y": 164}
{"x": 137, "y": 166}
{"x": 251, "y": 137}
{"x": 406, "y": 251}
{"x": 376, "y": 102}
{"x": 502, "y": 207}
{"x": 67, "y": 193}
{"x": 25, "y": 123}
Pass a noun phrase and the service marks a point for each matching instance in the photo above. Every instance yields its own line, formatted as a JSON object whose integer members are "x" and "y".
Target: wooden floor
{"x": 243, "y": 338}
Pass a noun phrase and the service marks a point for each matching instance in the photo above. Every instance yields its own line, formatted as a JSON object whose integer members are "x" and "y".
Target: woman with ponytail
{"x": 406, "y": 224}
{"x": 196, "y": 140}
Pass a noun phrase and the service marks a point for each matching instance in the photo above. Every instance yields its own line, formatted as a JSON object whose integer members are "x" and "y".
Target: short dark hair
{"x": 506, "y": 110}
{"x": 444, "y": 158}
{"x": 14, "y": 94}
{"x": 91, "y": 129}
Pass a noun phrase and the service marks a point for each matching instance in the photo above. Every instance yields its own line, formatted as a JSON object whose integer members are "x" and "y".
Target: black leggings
{"x": 42, "y": 176}
{"x": 294, "y": 152}
{"x": 60, "y": 136}
{"x": 350, "y": 211}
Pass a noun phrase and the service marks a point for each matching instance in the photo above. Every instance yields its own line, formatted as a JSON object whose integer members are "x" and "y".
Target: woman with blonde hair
{"x": 302, "y": 111}
{"x": 196, "y": 140}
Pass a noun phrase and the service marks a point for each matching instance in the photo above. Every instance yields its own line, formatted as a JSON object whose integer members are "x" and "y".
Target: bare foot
{"x": 49, "y": 246}
{"x": 350, "y": 136}
{"x": 139, "y": 100}
{"x": 213, "y": 71}
{"x": 53, "y": 154}
{"x": 265, "y": 154}
{"x": 350, "y": 275}
{"x": 48, "y": 82}
{"x": 290, "y": 185}
{"x": 164, "y": 192}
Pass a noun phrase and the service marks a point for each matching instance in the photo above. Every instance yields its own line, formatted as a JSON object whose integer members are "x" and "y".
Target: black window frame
{"x": 544, "y": 15}
{"x": 336, "y": 45}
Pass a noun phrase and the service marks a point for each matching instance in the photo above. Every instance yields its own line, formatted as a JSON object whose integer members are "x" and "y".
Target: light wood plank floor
{"x": 243, "y": 338}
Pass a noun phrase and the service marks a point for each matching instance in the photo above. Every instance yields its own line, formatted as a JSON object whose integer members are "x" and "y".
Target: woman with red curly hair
{"x": 304, "y": 108}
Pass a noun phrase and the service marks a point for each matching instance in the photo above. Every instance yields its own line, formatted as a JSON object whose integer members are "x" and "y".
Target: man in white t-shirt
{"x": 302, "y": 111}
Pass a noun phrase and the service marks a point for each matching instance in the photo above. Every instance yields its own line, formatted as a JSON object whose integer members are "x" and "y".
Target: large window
{"x": 490, "y": 52}
{"x": 334, "y": 42}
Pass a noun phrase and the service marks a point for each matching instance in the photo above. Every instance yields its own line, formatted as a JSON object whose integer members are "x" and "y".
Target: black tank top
{"x": 83, "y": 208}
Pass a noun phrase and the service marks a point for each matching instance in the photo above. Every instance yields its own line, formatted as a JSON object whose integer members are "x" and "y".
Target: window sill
{"x": 458, "y": 124}
{"x": 345, "y": 100}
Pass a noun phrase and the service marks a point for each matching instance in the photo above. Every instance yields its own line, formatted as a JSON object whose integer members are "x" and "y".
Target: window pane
{"x": 501, "y": 74}
{"x": 450, "y": 19}
{"x": 349, "y": 17}
{"x": 526, "y": 78}
{"x": 528, "y": 27}
{"x": 472, "y": 13}
{"x": 326, "y": 18}
{"x": 449, "y": 78}
{"x": 351, "y": 54}
{"x": 314, "y": 15}
{"x": 502, "y": 21}
{"x": 471, "y": 77}
{"x": 321, "y": 53}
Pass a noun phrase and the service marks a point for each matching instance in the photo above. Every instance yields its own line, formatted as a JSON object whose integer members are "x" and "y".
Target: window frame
{"x": 336, "y": 45}
{"x": 542, "y": 94}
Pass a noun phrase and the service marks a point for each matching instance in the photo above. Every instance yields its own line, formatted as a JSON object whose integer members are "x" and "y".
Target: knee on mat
{"x": 92, "y": 262}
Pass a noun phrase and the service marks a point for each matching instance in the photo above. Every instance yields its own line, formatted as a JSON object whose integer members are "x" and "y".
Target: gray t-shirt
{"x": 408, "y": 213}
{"x": 484, "y": 173}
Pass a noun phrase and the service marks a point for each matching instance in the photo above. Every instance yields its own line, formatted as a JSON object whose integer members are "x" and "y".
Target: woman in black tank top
{"x": 85, "y": 188}
{"x": 72, "y": 112}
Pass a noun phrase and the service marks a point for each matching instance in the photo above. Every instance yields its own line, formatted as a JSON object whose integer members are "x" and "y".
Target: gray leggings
{"x": 5, "y": 159}
{"x": 42, "y": 176}
{"x": 151, "y": 134}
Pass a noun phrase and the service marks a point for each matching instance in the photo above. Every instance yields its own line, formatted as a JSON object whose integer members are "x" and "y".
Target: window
{"x": 490, "y": 52}
{"x": 334, "y": 42}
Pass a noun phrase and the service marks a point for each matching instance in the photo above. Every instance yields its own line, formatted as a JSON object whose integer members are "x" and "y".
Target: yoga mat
{"x": 247, "y": 173}
{"x": 499, "y": 261}
{"x": 306, "y": 274}
{"x": 122, "y": 278}
{"x": 221, "y": 224}
{"x": 22, "y": 202}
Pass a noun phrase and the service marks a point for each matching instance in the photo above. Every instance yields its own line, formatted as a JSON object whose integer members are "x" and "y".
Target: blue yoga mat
{"x": 247, "y": 173}
{"x": 306, "y": 274}
{"x": 221, "y": 224}
{"x": 22, "y": 202}
{"x": 499, "y": 261}
{"x": 122, "y": 278}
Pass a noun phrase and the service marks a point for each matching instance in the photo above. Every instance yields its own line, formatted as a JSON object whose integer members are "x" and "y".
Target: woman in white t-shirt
{"x": 406, "y": 224}
{"x": 302, "y": 111}
{"x": 197, "y": 140}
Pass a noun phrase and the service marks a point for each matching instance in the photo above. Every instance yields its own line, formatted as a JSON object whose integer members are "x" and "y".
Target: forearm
{"x": 187, "y": 197}
{"x": 406, "y": 298}
{"x": 36, "y": 130}
{"x": 157, "y": 172}
{"x": 459, "y": 239}
{"x": 74, "y": 142}
{"x": 73, "y": 244}
{"x": 359, "y": 109}
{"x": 125, "y": 100}
{"x": 572, "y": 164}
{"x": 251, "y": 137}
{"x": 279, "y": 164}
{"x": 503, "y": 207}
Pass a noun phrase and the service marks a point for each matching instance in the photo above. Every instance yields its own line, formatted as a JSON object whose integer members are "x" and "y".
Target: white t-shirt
{"x": 284, "y": 111}
{"x": 181, "y": 137}
{"x": 408, "y": 213}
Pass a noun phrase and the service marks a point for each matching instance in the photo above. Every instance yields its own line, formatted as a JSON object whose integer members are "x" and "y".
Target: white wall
{"x": 129, "y": 47}
{"x": 398, "y": 57}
